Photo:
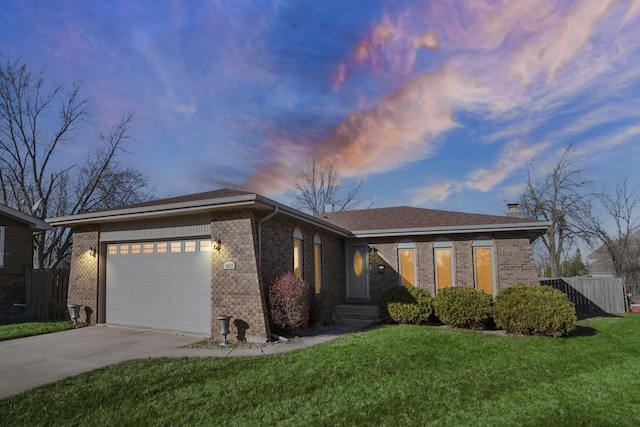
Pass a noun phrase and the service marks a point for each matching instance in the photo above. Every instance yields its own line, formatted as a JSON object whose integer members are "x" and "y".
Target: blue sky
{"x": 438, "y": 104}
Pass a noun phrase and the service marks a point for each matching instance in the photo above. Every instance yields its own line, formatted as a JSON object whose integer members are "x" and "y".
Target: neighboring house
{"x": 16, "y": 255}
{"x": 178, "y": 263}
{"x": 599, "y": 262}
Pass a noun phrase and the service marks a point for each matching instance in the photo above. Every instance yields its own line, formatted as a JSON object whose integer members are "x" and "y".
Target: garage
{"x": 160, "y": 285}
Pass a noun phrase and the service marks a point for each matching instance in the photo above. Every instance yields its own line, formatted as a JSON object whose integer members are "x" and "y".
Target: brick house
{"x": 16, "y": 254}
{"x": 178, "y": 263}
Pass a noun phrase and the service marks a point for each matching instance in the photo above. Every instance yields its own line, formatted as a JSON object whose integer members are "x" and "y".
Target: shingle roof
{"x": 34, "y": 223}
{"x": 216, "y": 194}
{"x": 405, "y": 217}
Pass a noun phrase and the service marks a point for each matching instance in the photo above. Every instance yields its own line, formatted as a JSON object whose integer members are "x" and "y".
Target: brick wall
{"x": 83, "y": 277}
{"x": 18, "y": 255}
{"x": 238, "y": 292}
{"x": 513, "y": 260}
{"x": 277, "y": 258}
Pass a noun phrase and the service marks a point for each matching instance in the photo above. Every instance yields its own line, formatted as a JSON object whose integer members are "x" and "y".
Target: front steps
{"x": 360, "y": 313}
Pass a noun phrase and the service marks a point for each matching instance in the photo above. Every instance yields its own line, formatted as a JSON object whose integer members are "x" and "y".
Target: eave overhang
{"x": 537, "y": 228}
{"x": 251, "y": 201}
{"x": 35, "y": 224}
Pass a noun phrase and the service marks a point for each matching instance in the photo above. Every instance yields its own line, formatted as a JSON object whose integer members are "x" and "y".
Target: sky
{"x": 435, "y": 104}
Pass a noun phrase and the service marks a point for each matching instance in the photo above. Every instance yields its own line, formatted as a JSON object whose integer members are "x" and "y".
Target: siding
{"x": 161, "y": 228}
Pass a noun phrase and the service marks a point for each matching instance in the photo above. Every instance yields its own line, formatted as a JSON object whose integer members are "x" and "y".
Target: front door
{"x": 358, "y": 286}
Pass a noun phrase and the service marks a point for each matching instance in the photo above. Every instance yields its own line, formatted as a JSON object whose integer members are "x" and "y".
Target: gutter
{"x": 486, "y": 228}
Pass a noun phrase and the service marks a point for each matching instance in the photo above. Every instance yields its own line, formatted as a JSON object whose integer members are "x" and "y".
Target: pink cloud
{"x": 550, "y": 52}
{"x": 513, "y": 156}
{"x": 388, "y": 46}
{"x": 438, "y": 193}
{"x": 397, "y": 131}
{"x": 633, "y": 10}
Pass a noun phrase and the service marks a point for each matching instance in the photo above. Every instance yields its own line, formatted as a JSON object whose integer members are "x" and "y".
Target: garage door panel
{"x": 162, "y": 290}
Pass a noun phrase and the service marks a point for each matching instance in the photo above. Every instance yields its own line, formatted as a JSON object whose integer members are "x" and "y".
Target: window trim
{"x": 2, "y": 239}
{"x": 318, "y": 278}
{"x": 484, "y": 242}
{"x": 444, "y": 244}
{"x": 405, "y": 245}
{"x": 298, "y": 238}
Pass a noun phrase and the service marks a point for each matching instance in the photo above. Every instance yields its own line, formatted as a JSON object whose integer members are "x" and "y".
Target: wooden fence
{"x": 46, "y": 293}
{"x": 592, "y": 294}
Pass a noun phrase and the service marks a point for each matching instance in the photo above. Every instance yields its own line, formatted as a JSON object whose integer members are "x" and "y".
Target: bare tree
{"x": 617, "y": 229}
{"x": 320, "y": 186}
{"x": 559, "y": 197}
{"x": 36, "y": 176}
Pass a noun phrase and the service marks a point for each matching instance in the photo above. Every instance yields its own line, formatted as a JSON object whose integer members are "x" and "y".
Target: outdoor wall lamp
{"x": 93, "y": 251}
{"x": 217, "y": 245}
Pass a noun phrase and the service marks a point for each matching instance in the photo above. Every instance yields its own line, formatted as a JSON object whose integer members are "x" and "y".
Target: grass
{"x": 12, "y": 330}
{"x": 393, "y": 375}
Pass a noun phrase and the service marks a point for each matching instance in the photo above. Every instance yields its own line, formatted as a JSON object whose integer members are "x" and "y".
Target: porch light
{"x": 223, "y": 321}
{"x": 217, "y": 245}
{"x": 93, "y": 251}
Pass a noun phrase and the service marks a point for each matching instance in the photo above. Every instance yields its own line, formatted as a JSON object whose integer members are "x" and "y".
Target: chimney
{"x": 512, "y": 210}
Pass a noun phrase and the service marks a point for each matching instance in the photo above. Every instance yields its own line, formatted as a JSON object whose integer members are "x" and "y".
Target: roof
{"x": 209, "y": 201}
{"x": 405, "y": 220}
{"x": 36, "y": 224}
{"x": 396, "y": 221}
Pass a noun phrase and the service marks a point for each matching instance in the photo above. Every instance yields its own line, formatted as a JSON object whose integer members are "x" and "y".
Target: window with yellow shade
{"x": 483, "y": 265}
{"x": 317, "y": 263}
{"x": 298, "y": 250}
{"x": 443, "y": 260}
{"x": 407, "y": 263}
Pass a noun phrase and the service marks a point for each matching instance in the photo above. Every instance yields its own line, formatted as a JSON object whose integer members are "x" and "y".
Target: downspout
{"x": 271, "y": 215}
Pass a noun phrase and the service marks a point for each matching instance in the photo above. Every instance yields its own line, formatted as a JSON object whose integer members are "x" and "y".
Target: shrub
{"x": 406, "y": 304}
{"x": 534, "y": 310}
{"x": 289, "y": 302}
{"x": 463, "y": 307}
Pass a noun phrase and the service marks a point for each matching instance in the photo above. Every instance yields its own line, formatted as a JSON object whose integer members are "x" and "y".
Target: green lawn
{"x": 11, "y": 330}
{"x": 393, "y": 375}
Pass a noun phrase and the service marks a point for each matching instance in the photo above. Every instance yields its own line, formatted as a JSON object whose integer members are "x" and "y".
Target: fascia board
{"x": 192, "y": 207}
{"x": 167, "y": 209}
{"x": 35, "y": 224}
{"x": 484, "y": 228}
{"x": 301, "y": 216}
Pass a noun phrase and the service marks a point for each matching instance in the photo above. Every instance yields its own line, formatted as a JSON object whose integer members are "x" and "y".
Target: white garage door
{"x": 160, "y": 285}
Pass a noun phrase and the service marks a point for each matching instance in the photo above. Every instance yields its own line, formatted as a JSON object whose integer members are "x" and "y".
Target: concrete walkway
{"x": 30, "y": 362}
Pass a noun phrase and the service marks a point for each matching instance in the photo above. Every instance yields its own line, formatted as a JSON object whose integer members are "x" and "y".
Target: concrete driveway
{"x": 29, "y": 362}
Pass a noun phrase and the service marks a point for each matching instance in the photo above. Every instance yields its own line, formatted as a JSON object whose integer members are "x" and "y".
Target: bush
{"x": 407, "y": 304}
{"x": 534, "y": 310}
{"x": 289, "y": 302}
{"x": 463, "y": 307}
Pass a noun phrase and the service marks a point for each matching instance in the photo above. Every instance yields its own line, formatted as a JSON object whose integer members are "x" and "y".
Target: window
{"x": 135, "y": 249}
{"x": 205, "y": 245}
{"x": 443, "y": 260}
{"x": 407, "y": 263}
{"x": 176, "y": 246}
{"x": 189, "y": 246}
{"x": 124, "y": 249}
{"x": 161, "y": 248}
{"x": 298, "y": 249}
{"x": 483, "y": 268}
{"x": 317, "y": 262}
{"x": 112, "y": 249}
{"x": 1, "y": 246}
{"x": 148, "y": 248}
